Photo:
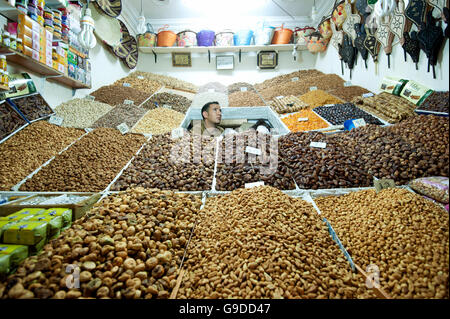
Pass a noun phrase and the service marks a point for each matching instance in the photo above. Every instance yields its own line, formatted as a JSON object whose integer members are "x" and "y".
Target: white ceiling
{"x": 178, "y": 9}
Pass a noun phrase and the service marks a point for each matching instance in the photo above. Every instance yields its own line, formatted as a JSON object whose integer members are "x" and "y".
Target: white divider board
{"x": 16, "y": 187}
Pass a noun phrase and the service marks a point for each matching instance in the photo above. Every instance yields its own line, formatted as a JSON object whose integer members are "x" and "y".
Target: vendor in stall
{"x": 212, "y": 116}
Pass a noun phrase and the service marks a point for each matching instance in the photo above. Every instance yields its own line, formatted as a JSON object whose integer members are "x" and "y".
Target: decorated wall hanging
{"x": 349, "y": 24}
{"x": 385, "y": 37}
{"x": 431, "y": 38}
{"x": 348, "y": 52}
{"x": 398, "y": 20}
{"x": 438, "y": 4}
{"x": 415, "y": 11}
{"x": 411, "y": 46}
{"x": 112, "y": 8}
{"x": 446, "y": 14}
{"x": 325, "y": 28}
{"x": 336, "y": 42}
{"x": 107, "y": 29}
{"x": 359, "y": 41}
{"x": 339, "y": 15}
{"x": 127, "y": 49}
{"x": 371, "y": 44}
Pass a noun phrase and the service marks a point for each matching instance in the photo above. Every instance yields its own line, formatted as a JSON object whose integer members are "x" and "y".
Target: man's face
{"x": 214, "y": 114}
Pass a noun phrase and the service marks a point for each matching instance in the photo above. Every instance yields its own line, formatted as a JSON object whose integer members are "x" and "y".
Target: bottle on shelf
{"x": 3, "y": 63}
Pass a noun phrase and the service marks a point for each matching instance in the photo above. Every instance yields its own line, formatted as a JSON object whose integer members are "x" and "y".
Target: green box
{"x": 5, "y": 264}
{"x": 65, "y": 213}
{"x": 26, "y": 233}
{"x": 54, "y": 223}
{"x": 4, "y": 224}
{"x": 23, "y": 214}
{"x": 17, "y": 253}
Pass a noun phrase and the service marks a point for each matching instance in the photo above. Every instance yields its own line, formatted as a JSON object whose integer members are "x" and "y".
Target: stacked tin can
{"x": 57, "y": 32}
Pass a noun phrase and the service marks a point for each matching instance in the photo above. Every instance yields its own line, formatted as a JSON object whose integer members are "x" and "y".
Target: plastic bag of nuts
{"x": 434, "y": 187}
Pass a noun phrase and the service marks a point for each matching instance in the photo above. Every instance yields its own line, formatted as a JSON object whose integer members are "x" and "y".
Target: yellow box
{"x": 25, "y": 21}
{"x": 28, "y": 51}
{"x": 23, "y": 30}
{"x": 55, "y": 65}
{"x": 27, "y": 41}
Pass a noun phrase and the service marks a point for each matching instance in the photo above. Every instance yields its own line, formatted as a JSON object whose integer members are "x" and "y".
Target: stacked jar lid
{"x": 57, "y": 32}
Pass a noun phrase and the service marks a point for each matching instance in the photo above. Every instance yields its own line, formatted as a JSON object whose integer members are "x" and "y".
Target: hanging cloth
{"x": 415, "y": 11}
{"x": 411, "y": 45}
{"x": 431, "y": 38}
{"x": 359, "y": 42}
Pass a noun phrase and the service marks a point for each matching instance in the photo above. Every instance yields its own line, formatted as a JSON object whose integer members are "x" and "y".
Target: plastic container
{"x": 264, "y": 35}
{"x": 32, "y": 11}
{"x": 301, "y": 35}
{"x": 224, "y": 39}
{"x": 187, "y": 38}
{"x": 166, "y": 38}
{"x": 6, "y": 39}
{"x": 205, "y": 38}
{"x": 243, "y": 37}
{"x": 282, "y": 35}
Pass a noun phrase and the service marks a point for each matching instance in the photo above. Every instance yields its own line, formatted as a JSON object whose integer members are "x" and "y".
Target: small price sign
{"x": 383, "y": 183}
{"x": 348, "y": 83}
{"x": 147, "y": 135}
{"x": 359, "y": 122}
{"x": 253, "y": 150}
{"x": 123, "y": 128}
{"x": 140, "y": 77}
{"x": 90, "y": 97}
{"x": 244, "y": 89}
{"x": 127, "y": 85}
{"x": 56, "y": 120}
{"x": 167, "y": 106}
{"x": 318, "y": 144}
{"x": 128, "y": 102}
{"x": 256, "y": 184}
{"x": 88, "y": 130}
{"x": 303, "y": 119}
{"x": 367, "y": 95}
{"x": 313, "y": 88}
{"x": 280, "y": 97}
{"x": 177, "y": 132}
{"x": 295, "y": 79}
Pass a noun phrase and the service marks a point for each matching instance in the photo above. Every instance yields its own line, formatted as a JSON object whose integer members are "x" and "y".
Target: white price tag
{"x": 256, "y": 184}
{"x": 127, "y": 85}
{"x": 147, "y": 135}
{"x": 303, "y": 119}
{"x": 128, "y": 102}
{"x": 313, "y": 88}
{"x": 140, "y": 77}
{"x": 318, "y": 144}
{"x": 367, "y": 95}
{"x": 211, "y": 90}
{"x": 123, "y": 128}
{"x": 244, "y": 89}
{"x": 329, "y": 105}
{"x": 177, "y": 132}
{"x": 295, "y": 79}
{"x": 90, "y": 97}
{"x": 166, "y": 106}
{"x": 280, "y": 97}
{"x": 253, "y": 150}
{"x": 359, "y": 123}
{"x": 348, "y": 83}
{"x": 56, "y": 120}
{"x": 88, "y": 130}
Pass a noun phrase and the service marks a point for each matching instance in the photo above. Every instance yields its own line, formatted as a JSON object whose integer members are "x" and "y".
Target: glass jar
{"x": 3, "y": 62}
{"x": 20, "y": 45}
{"x": 13, "y": 42}
{"x": 6, "y": 39}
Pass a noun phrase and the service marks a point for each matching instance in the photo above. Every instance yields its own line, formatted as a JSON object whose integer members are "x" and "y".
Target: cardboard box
{"x": 36, "y": 46}
{"x": 36, "y": 37}
{"x": 49, "y": 61}
{"x": 25, "y": 21}
{"x": 48, "y": 35}
{"x": 55, "y": 64}
{"x": 27, "y": 41}
{"x": 24, "y": 30}
{"x": 28, "y": 51}
{"x": 62, "y": 68}
{"x": 35, "y": 55}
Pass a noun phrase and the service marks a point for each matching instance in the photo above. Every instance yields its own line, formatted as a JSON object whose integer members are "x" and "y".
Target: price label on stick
{"x": 280, "y": 97}
{"x": 253, "y": 150}
{"x": 140, "y": 77}
{"x": 348, "y": 83}
{"x": 127, "y": 85}
{"x": 313, "y": 88}
{"x": 128, "y": 102}
{"x": 318, "y": 144}
{"x": 123, "y": 128}
{"x": 56, "y": 120}
{"x": 167, "y": 106}
{"x": 295, "y": 79}
{"x": 367, "y": 95}
{"x": 303, "y": 119}
{"x": 256, "y": 184}
{"x": 359, "y": 122}
{"x": 90, "y": 97}
{"x": 244, "y": 89}
{"x": 383, "y": 183}
{"x": 88, "y": 130}
{"x": 177, "y": 133}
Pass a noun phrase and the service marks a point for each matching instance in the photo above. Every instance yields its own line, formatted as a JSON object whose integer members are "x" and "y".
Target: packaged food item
{"x": 54, "y": 223}
{"x": 415, "y": 92}
{"x": 17, "y": 253}
{"x": 5, "y": 263}
{"x": 6, "y": 39}
{"x": 393, "y": 85}
{"x": 20, "y": 45}
{"x": 435, "y": 187}
{"x": 26, "y": 233}
{"x": 4, "y": 224}
{"x": 65, "y": 213}
{"x": 35, "y": 249}
{"x": 23, "y": 214}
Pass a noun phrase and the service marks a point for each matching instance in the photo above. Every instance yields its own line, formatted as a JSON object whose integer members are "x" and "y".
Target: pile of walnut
{"x": 261, "y": 243}
{"x": 403, "y": 234}
{"x": 128, "y": 246}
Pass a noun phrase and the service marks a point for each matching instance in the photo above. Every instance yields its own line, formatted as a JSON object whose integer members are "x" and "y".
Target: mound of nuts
{"x": 174, "y": 101}
{"x": 287, "y": 104}
{"x": 167, "y": 81}
{"x": 239, "y": 99}
{"x": 34, "y": 145}
{"x": 129, "y": 114}
{"x": 237, "y": 167}
{"x": 144, "y": 85}
{"x": 348, "y": 93}
{"x": 128, "y": 246}
{"x": 404, "y": 235}
{"x": 159, "y": 121}
{"x": 337, "y": 114}
{"x": 117, "y": 94}
{"x": 240, "y": 87}
{"x": 9, "y": 120}
{"x": 437, "y": 102}
{"x": 185, "y": 164}
{"x": 261, "y": 243}
{"x": 302, "y": 75}
{"x": 318, "y": 98}
{"x": 33, "y": 107}
{"x": 81, "y": 113}
{"x": 89, "y": 165}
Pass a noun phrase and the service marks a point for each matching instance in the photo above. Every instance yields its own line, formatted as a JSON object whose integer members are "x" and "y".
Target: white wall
{"x": 203, "y": 72}
{"x": 370, "y": 78}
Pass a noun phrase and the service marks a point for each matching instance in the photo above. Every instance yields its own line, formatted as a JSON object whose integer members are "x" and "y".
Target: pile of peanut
{"x": 405, "y": 235}
{"x": 261, "y": 243}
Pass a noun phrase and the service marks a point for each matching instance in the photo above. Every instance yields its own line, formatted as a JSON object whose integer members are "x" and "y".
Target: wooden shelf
{"x": 8, "y": 11}
{"x": 212, "y": 49}
{"x": 41, "y": 69}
